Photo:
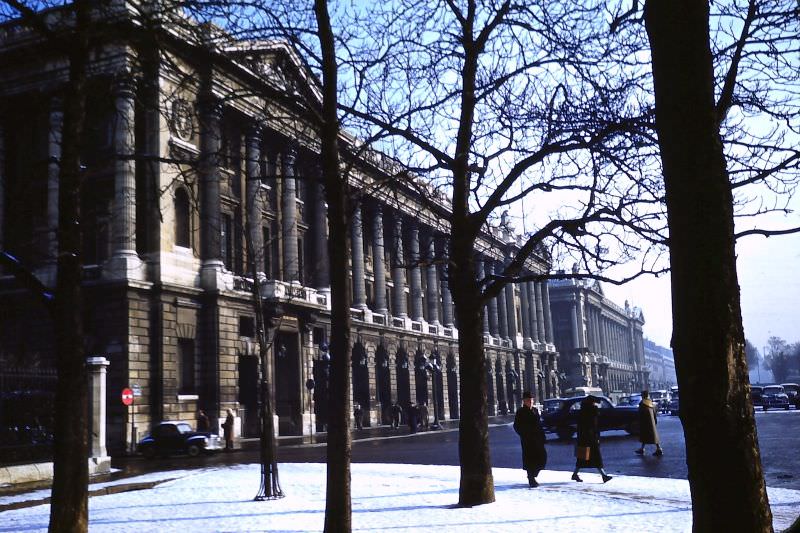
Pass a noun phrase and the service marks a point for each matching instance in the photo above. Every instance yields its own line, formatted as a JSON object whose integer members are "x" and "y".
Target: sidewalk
{"x": 384, "y": 497}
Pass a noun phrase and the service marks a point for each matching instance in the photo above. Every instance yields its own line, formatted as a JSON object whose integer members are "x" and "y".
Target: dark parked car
{"x": 674, "y": 402}
{"x": 755, "y": 395}
{"x": 792, "y": 390}
{"x": 178, "y": 437}
{"x": 560, "y": 416}
{"x": 774, "y": 397}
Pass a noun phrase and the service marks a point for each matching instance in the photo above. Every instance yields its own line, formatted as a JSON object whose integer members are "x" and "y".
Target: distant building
{"x": 600, "y": 343}
{"x": 662, "y": 365}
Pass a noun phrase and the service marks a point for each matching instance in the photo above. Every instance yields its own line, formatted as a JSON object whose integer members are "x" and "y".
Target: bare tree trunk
{"x": 725, "y": 475}
{"x": 69, "y": 504}
{"x": 477, "y": 484}
{"x": 338, "y": 511}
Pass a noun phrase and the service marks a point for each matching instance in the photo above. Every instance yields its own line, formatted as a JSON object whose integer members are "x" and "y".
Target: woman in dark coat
{"x": 648, "y": 418}
{"x": 531, "y": 435}
{"x": 589, "y": 436}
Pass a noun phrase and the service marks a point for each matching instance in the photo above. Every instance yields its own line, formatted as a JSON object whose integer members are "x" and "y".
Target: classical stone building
{"x": 195, "y": 153}
{"x": 600, "y": 343}
{"x": 661, "y": 363}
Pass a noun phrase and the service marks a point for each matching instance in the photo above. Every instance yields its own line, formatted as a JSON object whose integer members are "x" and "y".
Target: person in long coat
{"x": 648, "y": 418}
{"x": 528, "y": 426}
{"x": 227, "y": 429}
{"x": 588, "y": 437}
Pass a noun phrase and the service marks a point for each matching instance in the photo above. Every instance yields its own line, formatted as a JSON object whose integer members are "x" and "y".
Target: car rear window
{"x": 553, "y": 405}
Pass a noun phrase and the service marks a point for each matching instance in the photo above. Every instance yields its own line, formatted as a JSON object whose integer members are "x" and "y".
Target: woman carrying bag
{"x": 587, "y": 451}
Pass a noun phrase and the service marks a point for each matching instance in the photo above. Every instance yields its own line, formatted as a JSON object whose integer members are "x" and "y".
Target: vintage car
{"x": 674, "y": 402}
{"x": 560, "y": 416}
{"x": 178, "y": 437}
{"x": 774, "y": 397}
{"x": 755, "y": 394}
{"x": 792, "y": 390}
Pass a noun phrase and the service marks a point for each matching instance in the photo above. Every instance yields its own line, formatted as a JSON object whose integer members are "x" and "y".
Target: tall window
{"x": 182, "y": 218}
{"x": 227, "y": 241}
{"x": 185, "y": 362}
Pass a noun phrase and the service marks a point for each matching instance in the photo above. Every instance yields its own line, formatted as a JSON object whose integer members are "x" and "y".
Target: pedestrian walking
{"x": 423, "y": 416}
{"x": 528, "y": 426}
{"x": 648, "y": 419}
{"x": 411, "y": 417}
{"x": 395, "y": 411}
{"x": 227, "y": 430}
{"x": 587, "y": 450}
{"x": 203, "y": 425}
{"x": 358, "y": 415}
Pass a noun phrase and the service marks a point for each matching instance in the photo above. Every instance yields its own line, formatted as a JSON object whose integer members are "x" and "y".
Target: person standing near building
{"x": 227, "y": 430}
{"x": 528, "y": 426}
{"x": 423, "y": 416}
{"x": 203, "y": 425}
{"x": 648, "y": 418}
{"x": 587, "y": 450}
{"x": 395, "y": 411}
{"x": 358, "y": 415}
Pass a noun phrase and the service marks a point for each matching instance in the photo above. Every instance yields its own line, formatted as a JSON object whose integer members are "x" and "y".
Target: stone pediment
{"x": 279, "y": 65}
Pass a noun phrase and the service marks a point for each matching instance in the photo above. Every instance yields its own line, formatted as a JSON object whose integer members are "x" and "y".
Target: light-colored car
{"x": 774, "y": 397}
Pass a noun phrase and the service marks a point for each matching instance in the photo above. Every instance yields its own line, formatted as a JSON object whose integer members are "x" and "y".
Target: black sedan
{"x": 560, "y": 416}
{"x": 177, "y": 437}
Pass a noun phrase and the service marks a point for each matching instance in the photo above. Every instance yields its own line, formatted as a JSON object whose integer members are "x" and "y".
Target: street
{"x": 778, "y": 432}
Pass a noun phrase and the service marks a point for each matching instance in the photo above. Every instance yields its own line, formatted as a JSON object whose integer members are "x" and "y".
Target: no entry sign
{"x": 127, "y": 396}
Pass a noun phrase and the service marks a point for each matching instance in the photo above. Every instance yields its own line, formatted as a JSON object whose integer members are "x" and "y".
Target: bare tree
{"x": 690, "y": 112}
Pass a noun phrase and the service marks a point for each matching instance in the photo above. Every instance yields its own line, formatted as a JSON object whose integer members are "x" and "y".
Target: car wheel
{"x": 149, "y": 452}
{"x": 193, "y": 450}
{"x": 564, "y": 433}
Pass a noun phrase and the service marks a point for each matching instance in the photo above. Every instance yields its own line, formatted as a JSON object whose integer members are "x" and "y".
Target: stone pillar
{"x": 502, "y": 313}
{"x": 582, "y": 342}
{"x": 494, "y": 318}
{"x": 526, "y": 313}
{"x": 322, "y": 274}
{"x": 480, "y": 268}
{"x": 291, "y": 270}
{"x": 398, "y": 269}
{"x": 416, "y": 274}
{"x": 448, "y": 316}
{"x": 548, "y": 321}
{"x": 124, "y": 262}
{"x": 511, "y": 312}
{"x": 210, "y": 203}
{"x": 253, "y": 203}
{"x": 99, "y": 461}
{"x": 573, "y": 317}
{"x": 432, "y": 294}
{"x": 378, "y": 265}
{"x": 357, "y": 255}
{"x": 537, "y": 287}
{"x": 534, "y": 322}
{"x": 56, "y": 122}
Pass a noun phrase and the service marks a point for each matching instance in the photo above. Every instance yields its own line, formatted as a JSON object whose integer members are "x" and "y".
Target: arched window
{"x": 182, "y": 219}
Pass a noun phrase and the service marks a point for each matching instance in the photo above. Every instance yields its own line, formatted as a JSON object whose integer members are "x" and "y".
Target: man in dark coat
{"x": 648, "y": 418}
{"x": 531, "y": 435}
{"x": 588, "y": 437}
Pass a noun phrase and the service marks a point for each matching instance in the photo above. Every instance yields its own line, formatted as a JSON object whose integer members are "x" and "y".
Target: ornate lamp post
{"x": 433, "y": 367}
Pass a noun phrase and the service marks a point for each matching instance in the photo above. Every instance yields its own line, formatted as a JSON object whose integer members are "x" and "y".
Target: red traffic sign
{"x": 127, "y": 396}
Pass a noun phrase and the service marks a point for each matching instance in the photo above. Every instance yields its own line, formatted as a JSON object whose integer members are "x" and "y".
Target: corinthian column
{"x": 124, "y": 262}
{"x": 253, "y": 202}
{"x": 357, "y": 255}
{"x": 291, "y": 270}
{"x": 398, "y": 269}
{"x": 416, "y": 275}
{"x": 378, "y": 265}
{"x": 210, "y": 203}
{"x": 433, "y": 286}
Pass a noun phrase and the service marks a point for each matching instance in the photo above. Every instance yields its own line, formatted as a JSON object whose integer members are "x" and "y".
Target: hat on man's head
{"x": 526, "y": 395}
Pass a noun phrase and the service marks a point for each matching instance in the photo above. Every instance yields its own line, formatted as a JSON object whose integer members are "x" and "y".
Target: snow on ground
{"x": 392, "y": 498}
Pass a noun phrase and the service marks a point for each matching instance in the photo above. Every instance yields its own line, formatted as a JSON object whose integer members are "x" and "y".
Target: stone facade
{"x": 193, "y": 155}
{"x": 662, "y": 366}
{"x": 600, "y": 343}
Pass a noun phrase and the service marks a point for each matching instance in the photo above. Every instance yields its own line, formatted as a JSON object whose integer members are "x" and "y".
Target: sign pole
{"x": 127, "y": 399}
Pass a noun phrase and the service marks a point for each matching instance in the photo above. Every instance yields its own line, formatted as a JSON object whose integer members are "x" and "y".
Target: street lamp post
{"x": 433, "y": 366}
